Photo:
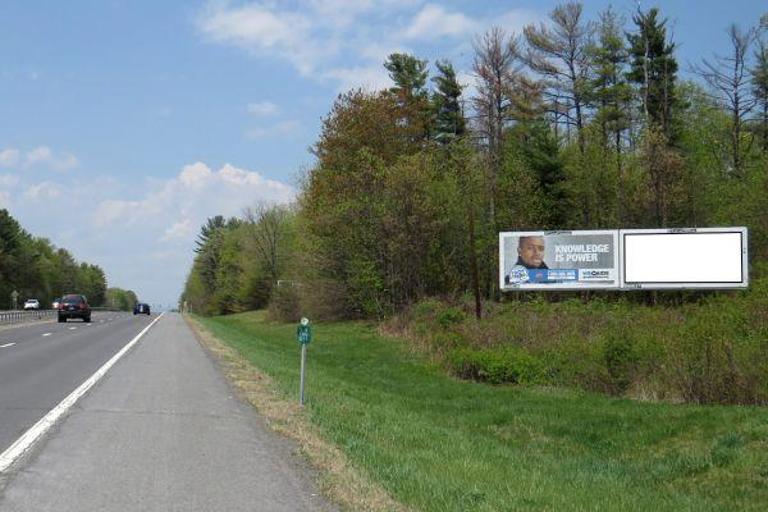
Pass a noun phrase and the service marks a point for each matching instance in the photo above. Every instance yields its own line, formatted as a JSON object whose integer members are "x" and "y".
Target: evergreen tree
{"x": 560, "y": 54}
{"x": 449, "y": 121}
{"x": 410, "y": 76}
{"x": 654, "y": 68}
{"x": 611, "y": 93}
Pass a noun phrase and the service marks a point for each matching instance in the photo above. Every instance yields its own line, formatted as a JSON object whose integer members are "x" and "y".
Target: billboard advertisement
{"x": 559, "y": 260}
{"x": 684, "y": 258}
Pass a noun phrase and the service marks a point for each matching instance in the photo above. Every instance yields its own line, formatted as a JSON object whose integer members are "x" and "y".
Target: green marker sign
{"x": 304, "y": 332}
{"x": 304, "y": 336}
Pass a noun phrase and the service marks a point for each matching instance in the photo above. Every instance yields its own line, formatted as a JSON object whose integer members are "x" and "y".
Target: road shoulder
{"x": 337, "y": 479}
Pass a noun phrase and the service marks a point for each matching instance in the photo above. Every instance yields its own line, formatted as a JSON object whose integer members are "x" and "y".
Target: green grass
{"x": 439, "y": 444}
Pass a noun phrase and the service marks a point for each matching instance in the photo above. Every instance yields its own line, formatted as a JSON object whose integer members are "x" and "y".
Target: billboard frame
{"x": 686, "y": 285}
{"x": 620, "y": 261}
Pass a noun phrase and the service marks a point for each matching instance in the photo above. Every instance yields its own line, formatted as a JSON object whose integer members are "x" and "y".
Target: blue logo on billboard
{"x": 518, "y": 274}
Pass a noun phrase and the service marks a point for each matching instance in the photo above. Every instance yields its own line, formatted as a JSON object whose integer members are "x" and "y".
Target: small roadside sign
{"x": 303, "y": 336}
{"x": 304, "y": 332}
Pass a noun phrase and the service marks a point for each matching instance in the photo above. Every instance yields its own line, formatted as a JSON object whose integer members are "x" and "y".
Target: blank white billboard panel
{"x": 704, "y": 258}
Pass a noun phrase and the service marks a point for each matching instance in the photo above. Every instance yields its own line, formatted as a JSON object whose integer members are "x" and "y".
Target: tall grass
{"x": 441, "y": 444}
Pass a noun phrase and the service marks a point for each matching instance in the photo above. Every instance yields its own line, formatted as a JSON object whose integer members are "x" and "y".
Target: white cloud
{"x": 8, "y": 180}
{"x": 469, "y": 83}
{"x": 182, "y": 229}
{"x": 263, "y": 108}
{"x": 42, "y": 155}
{"x": 347, "y": 41}
{"x": 175, "y": 206}
{"x": 195, "y": 175}
{"x": 9, "y": 157}
{"x": 43, "y": 191}
{"x": 371, "y": 78}
{"x": 433, "y": 22}
{"x": 513, "y": 21}
{"x": 282, "y": 128}
{"x": 264, "y": 30}
{"x": 110, "y": 211}
{"x": 39, "y": 156}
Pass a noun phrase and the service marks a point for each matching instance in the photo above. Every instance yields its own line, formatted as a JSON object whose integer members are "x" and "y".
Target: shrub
{"x": 713, "y": 350}
{"x": 507, "y": 365}
{"x": 620, "y": 361}
{"x": 284, "y": 305}
{"x": 323, "y": 299}
{"x": 449, "y": 317}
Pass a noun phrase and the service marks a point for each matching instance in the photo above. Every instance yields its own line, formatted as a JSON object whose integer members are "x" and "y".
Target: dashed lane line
{"x": 7, "y": 345}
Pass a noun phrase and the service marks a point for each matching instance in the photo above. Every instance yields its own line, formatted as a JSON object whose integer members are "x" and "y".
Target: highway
{"x": 40, "y": 364}
{"x": 162, "y": 430}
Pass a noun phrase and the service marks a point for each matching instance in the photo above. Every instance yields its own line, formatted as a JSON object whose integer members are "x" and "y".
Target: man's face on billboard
{"x": 531, "y": 250}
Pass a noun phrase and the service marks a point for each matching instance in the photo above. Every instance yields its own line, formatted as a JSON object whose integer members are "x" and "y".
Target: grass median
{"x": 438, "y": 444}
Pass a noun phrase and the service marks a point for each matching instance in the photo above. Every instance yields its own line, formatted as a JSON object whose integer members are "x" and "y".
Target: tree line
{"x": 573, "y": 124}
{"x": 34, "y": 268}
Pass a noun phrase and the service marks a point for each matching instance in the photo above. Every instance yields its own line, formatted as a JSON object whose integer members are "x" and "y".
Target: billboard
{"x": 684, "y": 258}
{"x": 559, "y": 260}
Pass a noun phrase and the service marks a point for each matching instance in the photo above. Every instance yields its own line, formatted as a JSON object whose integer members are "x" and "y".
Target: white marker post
{"x": 304, "y": 336}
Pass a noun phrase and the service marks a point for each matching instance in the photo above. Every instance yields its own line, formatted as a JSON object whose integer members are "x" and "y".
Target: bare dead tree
{"x": 560, "y": 54}
{"x": 728, "y": 78}
{"x": 760, "y": 90}
{"x": 496, "y": 66}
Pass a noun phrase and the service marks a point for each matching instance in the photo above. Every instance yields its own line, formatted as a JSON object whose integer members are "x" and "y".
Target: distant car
{"x": 74, "y": 306}
{"x": 141, "y": 309}
{"x": 31, "y": 304}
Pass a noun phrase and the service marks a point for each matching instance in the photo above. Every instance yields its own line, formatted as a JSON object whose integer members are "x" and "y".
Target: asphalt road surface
{"x": 161, "y": 431}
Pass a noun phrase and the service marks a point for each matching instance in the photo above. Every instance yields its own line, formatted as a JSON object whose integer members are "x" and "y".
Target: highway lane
{"x": 162, "y": 431}
{"x": 41, "y": 364}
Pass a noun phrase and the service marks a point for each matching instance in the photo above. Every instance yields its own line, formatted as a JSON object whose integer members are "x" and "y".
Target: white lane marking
{"x": 7, "y": 345}
{"x": 29, "y": 437}
{"x": 72, "y": 328}
{"x": 47, "y": 334}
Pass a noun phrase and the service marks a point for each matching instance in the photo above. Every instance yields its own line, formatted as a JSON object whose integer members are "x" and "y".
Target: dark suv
{"x": 74, "y": 306}
{"x": 141, "y": 308}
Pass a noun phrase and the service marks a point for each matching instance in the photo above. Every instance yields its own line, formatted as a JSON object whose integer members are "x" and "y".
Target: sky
{"x": 125, "y": 124}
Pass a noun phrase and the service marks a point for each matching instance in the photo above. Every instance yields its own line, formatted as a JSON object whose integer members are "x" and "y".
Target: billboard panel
{"x": 684, "y": 258}
{"x": 559, "y": 260}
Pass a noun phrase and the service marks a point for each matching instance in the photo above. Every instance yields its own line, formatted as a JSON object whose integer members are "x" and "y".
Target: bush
{"x": 323, "y": 299}
{"x": 449, "y": 317}
{"x": 714, "y": 350}
{"x": 506, "y": 365}
{"x": 284, "y": 305}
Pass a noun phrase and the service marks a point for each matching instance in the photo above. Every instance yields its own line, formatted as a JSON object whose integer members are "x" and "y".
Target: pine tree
{"x": 654, "y": 68}
{"x": 410, "y": 77}
{"x": 449, "y": 121}
{"x": 611, "y": 93}
{"x": 559, "y": 53}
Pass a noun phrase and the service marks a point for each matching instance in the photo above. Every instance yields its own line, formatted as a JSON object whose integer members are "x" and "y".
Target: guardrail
{"x": 17, "y": 317}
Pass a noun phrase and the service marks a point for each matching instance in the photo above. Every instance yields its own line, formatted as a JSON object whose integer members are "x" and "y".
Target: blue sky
{"x": 125, "y": 124}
